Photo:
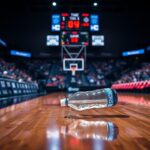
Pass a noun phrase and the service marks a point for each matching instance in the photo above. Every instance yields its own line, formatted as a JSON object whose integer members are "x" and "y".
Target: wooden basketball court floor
{"x": 41, "y": 124}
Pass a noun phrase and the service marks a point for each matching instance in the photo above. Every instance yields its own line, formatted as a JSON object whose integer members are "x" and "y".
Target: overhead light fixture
{"x": 54, "y": 3}
{"x": 95, "y": 4}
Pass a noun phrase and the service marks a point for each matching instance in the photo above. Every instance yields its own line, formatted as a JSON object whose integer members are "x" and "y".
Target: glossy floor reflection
{"x": 75, "y": 132}
{"x": 41, "y": 124}
{"x": 5, "y": 102}
{"x": 100, "y": 130}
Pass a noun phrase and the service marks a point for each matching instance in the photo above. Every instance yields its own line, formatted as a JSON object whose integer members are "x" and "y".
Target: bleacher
{"x": 98, "y": 74}
{"x": 137, "y": 80}
{"x": 15, "y": 84}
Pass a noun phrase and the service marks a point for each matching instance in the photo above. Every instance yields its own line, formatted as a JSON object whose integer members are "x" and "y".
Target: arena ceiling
{"x": 25, "y": 24}
{"x": 45, "y": 5}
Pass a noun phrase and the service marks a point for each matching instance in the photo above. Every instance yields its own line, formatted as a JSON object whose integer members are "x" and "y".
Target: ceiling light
{"x": 95, "y": 4}
{"x": 54, "y": 3}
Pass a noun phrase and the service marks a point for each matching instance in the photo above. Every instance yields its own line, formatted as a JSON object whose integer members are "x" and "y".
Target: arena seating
{"x": 96, "y": 74}
{"x": 15, "y": 82}
{"x": 100, "y": 73}
{"x": 9, "y": 87}
{"x": 141, "y": 85}
{"x": 137, "y": 80}
{"x": 141, "y": 73}
{"x": 11, "y": 71}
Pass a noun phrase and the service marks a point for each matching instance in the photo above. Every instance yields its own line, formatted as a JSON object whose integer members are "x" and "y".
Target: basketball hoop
{"x": 73, "y": 70}
{"x": 73, "y": 58}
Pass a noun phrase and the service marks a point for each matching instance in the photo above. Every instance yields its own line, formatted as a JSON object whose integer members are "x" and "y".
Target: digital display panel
{"x": 52, "y": 40}
{"x": 55, "y": 22}
{"x": 74, "y": 38}
{"x": 75, "y": 28}
{"x": 75, "y": 21}
{"x": 133, "y": 52}
{"x": 97, "y": 40}
{"x": 94, "y": 23}
{"x": 20, "y": 53}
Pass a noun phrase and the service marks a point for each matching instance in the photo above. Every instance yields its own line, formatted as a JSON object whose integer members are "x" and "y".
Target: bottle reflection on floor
{"x": 96, "y": 130}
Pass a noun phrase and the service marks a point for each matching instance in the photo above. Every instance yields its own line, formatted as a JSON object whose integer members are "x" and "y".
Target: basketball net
{"x": 73, "y": 70}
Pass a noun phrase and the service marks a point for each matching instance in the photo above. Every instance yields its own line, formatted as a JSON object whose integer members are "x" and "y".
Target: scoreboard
{"x": 74, "y": 37}
{"x": 75, "y": 21}
{"x": 73, "y": 29}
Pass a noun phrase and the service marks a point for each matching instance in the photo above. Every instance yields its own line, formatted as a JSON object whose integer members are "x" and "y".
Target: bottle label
{"x": 109, "y": 95}
{"x": 66, "y": 102}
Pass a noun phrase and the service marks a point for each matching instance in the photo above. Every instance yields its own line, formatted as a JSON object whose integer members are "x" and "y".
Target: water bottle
{"x": 101, "y": 98}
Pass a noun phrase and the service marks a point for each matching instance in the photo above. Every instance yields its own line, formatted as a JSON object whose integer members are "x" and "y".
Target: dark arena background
{"x": 51, "y": 49}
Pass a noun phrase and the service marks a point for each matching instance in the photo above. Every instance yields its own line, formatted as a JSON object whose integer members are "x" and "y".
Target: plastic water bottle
{"x": 91, "y": 99}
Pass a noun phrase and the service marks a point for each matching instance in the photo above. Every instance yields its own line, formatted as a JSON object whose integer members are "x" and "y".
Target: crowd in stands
{"x": 97, "y": 73}
{"x": 11, "y": 71}
{"x": 57, "y": 80}
{"x": 141, "y": 73}
{"x": 48, "y": 70}
{"x": 39, "y": 67}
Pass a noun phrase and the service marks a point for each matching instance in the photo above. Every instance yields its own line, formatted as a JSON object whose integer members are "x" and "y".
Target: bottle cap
{"x": 63, "y": 102}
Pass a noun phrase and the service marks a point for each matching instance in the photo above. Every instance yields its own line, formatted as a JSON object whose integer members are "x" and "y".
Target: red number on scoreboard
{"x": 74, "y": 40}
{"x": 73, "y": 24}
{"x": 70, "y": 24}
{"x": 76, "y": 24}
